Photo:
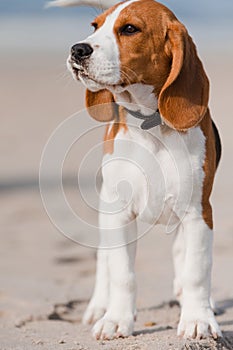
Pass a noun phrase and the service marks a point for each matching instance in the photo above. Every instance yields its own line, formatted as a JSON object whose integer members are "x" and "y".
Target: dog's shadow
{"x": 227, "y": 341}
{"x": 223, "y": 305}
{"x": 165, "y": 305}
{"x": 151, "y": 330}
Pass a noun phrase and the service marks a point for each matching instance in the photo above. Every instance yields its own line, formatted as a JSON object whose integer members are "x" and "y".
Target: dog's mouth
{"x": 76, "y": 68}
{"x": 81, "y": 72}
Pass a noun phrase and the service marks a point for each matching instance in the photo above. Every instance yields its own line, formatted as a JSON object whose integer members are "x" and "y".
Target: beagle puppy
{"x": 141, "y": 63}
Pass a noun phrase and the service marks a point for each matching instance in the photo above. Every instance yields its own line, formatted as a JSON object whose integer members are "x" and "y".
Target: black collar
{"x": 150, "y": 121}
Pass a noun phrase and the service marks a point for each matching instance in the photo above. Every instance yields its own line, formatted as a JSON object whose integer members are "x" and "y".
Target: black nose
{"x": 80, "y": 51}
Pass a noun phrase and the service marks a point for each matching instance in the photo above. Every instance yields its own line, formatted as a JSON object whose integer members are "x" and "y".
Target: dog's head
{"x": 141, "y": 41}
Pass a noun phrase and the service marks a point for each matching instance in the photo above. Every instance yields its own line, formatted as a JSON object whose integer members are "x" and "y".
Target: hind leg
{"x": 178, "y": 253}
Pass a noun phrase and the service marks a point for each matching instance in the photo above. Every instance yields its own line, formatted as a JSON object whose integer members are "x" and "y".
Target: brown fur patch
{"x": 112, "y": 130}
{"x": 101, "y": 105}
{"x": 209, "y": 168}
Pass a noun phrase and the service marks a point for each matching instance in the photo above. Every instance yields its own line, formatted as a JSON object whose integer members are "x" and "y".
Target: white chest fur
{"x": 156, "y": 172}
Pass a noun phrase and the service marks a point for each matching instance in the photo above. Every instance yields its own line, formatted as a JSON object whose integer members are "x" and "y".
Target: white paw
{"x": 113, "y": 327}
{"x": 93, "y": 313}
{"x": 198, "y": 324}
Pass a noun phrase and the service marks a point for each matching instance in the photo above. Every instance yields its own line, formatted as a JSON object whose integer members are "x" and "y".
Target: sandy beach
{"x": 46, "y": 279}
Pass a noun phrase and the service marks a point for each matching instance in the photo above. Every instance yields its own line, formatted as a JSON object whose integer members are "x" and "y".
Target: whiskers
{"x": 65, "y": 77}
{"x": 128, "y": 75}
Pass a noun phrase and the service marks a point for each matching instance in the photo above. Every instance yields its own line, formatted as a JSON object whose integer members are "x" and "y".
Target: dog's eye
{"x": 129, "y": 29}
{"x": 94, "y": 25}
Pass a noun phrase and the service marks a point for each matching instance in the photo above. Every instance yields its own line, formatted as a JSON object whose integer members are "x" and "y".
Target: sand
{"x": 46, "y": 279}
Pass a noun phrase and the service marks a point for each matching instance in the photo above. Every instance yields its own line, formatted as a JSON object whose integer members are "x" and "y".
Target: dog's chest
{"x": 149, "y": 172}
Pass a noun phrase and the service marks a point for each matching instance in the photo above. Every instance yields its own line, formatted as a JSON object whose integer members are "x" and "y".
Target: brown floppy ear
{"x": 183, "y": 100}
{"x": 101, "y": 105}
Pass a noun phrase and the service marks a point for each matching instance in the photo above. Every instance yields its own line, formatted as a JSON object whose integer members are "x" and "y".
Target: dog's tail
{"x": 102, "y": 4}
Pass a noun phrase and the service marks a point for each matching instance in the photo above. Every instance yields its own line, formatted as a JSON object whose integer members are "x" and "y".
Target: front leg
{"x": 99, "y": 301}
{"x": 119, "y": 230}
{"x": 178, "y": 252}
{"x": 197, "y": 318}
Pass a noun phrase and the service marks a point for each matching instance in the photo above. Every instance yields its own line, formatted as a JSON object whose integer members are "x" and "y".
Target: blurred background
{"x": 39, "y": 267}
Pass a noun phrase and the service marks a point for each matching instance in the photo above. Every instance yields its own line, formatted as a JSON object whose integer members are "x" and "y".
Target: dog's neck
{"x": 136, "y": 97}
